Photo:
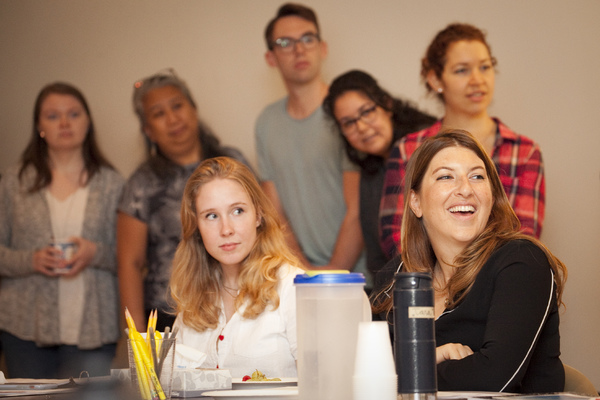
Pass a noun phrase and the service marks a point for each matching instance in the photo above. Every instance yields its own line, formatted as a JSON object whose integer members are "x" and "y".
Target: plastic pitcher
{"x": 330, "y": 306}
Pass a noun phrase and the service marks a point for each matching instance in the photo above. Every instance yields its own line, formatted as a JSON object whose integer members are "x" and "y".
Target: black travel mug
{"x": 414, "y": 336}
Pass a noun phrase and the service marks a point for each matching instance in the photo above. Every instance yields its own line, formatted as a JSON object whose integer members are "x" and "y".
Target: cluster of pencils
{"x": 149, "y": 355}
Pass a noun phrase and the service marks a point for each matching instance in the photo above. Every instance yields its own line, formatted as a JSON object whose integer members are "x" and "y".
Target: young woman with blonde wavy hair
{"x": 233, "y": 273}
{"x": 497, "y": 290}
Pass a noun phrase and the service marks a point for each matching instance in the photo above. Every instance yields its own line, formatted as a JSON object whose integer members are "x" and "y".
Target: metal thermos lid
{"x": 412, "y": 280}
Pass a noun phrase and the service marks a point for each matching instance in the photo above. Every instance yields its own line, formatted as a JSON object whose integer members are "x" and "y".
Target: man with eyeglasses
{"x": 302, "y": 163}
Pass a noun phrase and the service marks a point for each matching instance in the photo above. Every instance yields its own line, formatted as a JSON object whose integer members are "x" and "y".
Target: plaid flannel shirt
{"x": 519, "y": 163}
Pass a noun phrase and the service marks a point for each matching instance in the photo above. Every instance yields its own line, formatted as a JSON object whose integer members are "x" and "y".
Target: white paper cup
{"x": 374, "y": 370}
{"x": 365, "y": 388}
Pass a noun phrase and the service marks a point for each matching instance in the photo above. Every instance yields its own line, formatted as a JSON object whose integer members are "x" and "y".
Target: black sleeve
{"x": 523, "y": 295}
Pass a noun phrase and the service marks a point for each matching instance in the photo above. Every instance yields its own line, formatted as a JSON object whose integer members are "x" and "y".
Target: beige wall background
{"x": 547, "y": 88}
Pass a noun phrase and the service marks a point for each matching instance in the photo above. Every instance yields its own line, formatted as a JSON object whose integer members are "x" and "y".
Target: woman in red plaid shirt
{"x": 459, "y": 68}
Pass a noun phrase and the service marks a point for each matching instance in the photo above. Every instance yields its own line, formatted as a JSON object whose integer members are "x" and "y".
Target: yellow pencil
{"x": 134, "y": 336}
{"x": 147, "y": 360}
{"x": 153, "y": 390}
{"x": 158, "y": 339}
{"x": 148, "y": 326}
{"x": 139, "y": 369}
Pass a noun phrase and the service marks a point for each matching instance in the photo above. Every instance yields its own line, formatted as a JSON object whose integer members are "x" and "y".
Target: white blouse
{"x": 267, "y": 343}
{"x": 67, "y": 220}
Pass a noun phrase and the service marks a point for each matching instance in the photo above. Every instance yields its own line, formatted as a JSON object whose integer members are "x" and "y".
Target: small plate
{"x": 277, "y": 393}
{"x": 238, "y": 384}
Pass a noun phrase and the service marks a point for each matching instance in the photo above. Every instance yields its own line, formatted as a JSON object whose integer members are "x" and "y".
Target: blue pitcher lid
{"x": 329, "y": 277}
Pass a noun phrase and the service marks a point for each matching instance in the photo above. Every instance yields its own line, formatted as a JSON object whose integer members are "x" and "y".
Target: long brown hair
{"x": 502, "y": 226}
{"x": 406, "y": 118}
{"x": 36, "y": 152}
{"x": 196, "y": 278}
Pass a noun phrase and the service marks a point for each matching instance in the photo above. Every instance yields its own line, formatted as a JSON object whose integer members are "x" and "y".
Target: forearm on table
{"x": 518, "y": 307}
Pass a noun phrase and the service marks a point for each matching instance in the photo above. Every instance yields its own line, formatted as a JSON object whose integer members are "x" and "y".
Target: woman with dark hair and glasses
{"x": 148, "y": 223}
{"x": 59, "y": 311}
{"x": 370, "y": 121}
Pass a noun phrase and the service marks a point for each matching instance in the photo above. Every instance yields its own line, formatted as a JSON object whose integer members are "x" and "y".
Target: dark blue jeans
{"x": 24, "y": 359}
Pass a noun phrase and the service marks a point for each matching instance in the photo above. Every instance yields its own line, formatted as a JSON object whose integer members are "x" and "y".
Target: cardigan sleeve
{"x": 101, "y": 219}
{"x": 13, "y": 262}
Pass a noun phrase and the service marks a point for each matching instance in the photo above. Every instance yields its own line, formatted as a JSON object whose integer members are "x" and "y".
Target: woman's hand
{"x": 86, "y": 250}
{"x": 46, "y": 260}
{"x": 452, "y": 351}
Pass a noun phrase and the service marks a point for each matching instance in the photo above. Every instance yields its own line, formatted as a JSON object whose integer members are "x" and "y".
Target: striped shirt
{"x": 519, "y": 163}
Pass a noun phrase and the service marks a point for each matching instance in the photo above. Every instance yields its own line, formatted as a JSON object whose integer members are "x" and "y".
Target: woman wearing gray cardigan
{"x": 59, "y": 309}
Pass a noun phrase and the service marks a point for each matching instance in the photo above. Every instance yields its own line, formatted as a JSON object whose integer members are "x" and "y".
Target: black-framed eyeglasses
{"x": 287, "y": 44}
{"x": 366, "y": 115}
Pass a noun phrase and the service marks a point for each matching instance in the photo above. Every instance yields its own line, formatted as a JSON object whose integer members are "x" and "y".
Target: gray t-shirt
{"x": 305, "y": 159}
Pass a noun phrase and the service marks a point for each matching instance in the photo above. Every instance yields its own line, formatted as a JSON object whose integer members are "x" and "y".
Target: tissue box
{"x": 122, "y": 375}
{"x": 189, "y": 382}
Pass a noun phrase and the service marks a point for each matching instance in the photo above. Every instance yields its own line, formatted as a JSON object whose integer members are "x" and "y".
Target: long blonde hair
{"x": 196, "y": 280}
{"x": 502, "y": 226}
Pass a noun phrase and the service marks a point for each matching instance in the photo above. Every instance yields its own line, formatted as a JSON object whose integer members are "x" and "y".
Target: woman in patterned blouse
{"x": 148, "y": 224}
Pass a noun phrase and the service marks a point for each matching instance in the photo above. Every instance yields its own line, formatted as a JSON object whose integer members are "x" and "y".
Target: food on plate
{"x": 258, "y": 376}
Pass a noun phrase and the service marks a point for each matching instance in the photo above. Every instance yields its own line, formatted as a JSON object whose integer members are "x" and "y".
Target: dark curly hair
{"x": 405, "y": 117}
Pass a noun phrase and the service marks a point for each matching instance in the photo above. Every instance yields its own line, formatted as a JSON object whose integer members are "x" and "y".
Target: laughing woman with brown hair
{"x": 497, "y": 290}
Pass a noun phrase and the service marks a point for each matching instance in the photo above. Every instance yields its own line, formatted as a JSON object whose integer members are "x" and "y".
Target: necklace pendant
{"x": 231, "y": 291}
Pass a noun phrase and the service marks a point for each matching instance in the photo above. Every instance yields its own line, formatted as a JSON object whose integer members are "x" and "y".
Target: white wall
{"x": 547, "y": 88}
